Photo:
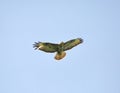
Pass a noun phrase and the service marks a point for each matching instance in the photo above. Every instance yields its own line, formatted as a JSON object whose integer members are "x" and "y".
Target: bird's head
{"x": 62, "y": 43}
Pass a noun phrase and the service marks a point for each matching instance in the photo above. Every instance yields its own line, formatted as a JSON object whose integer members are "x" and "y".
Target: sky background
{"x": 92, "y": 67}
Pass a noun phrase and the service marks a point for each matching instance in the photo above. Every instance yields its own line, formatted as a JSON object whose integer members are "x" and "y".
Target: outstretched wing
{"x": 46, "y": 47}
{"x": 72, "y": 43}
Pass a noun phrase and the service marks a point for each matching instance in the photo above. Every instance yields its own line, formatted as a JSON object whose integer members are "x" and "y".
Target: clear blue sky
{"x": 92, "y": 67}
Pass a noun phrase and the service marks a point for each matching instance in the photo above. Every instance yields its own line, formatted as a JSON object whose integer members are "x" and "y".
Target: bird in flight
{"x": 58, "y": 48}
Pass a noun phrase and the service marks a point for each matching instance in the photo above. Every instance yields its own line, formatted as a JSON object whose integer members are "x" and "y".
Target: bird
{"x": 58, "y": 48}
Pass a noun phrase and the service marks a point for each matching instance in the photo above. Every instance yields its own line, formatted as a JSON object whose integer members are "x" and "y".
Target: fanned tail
{"x": 59, "y": 56}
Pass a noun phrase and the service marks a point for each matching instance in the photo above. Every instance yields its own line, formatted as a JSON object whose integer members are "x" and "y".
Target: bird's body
{"x": 59, "y": 48}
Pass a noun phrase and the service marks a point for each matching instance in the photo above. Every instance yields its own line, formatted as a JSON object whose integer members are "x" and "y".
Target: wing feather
{"x": 46, "y": 47}
{"x": 72, "y": 43}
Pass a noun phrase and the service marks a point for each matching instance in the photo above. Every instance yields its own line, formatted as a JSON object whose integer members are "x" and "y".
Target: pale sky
{"x": 92, "y": 67}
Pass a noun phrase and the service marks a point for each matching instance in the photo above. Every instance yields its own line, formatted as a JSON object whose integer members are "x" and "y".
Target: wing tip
{"x": 81, "y": 40}
{"x": 36, "y": 45}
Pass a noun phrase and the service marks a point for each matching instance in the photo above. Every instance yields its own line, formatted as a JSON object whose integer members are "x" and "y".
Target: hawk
{"x": 58, "y": 48}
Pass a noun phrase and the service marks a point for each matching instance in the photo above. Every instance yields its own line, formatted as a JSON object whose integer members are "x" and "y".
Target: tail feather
{"x": 59, "y": 56}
